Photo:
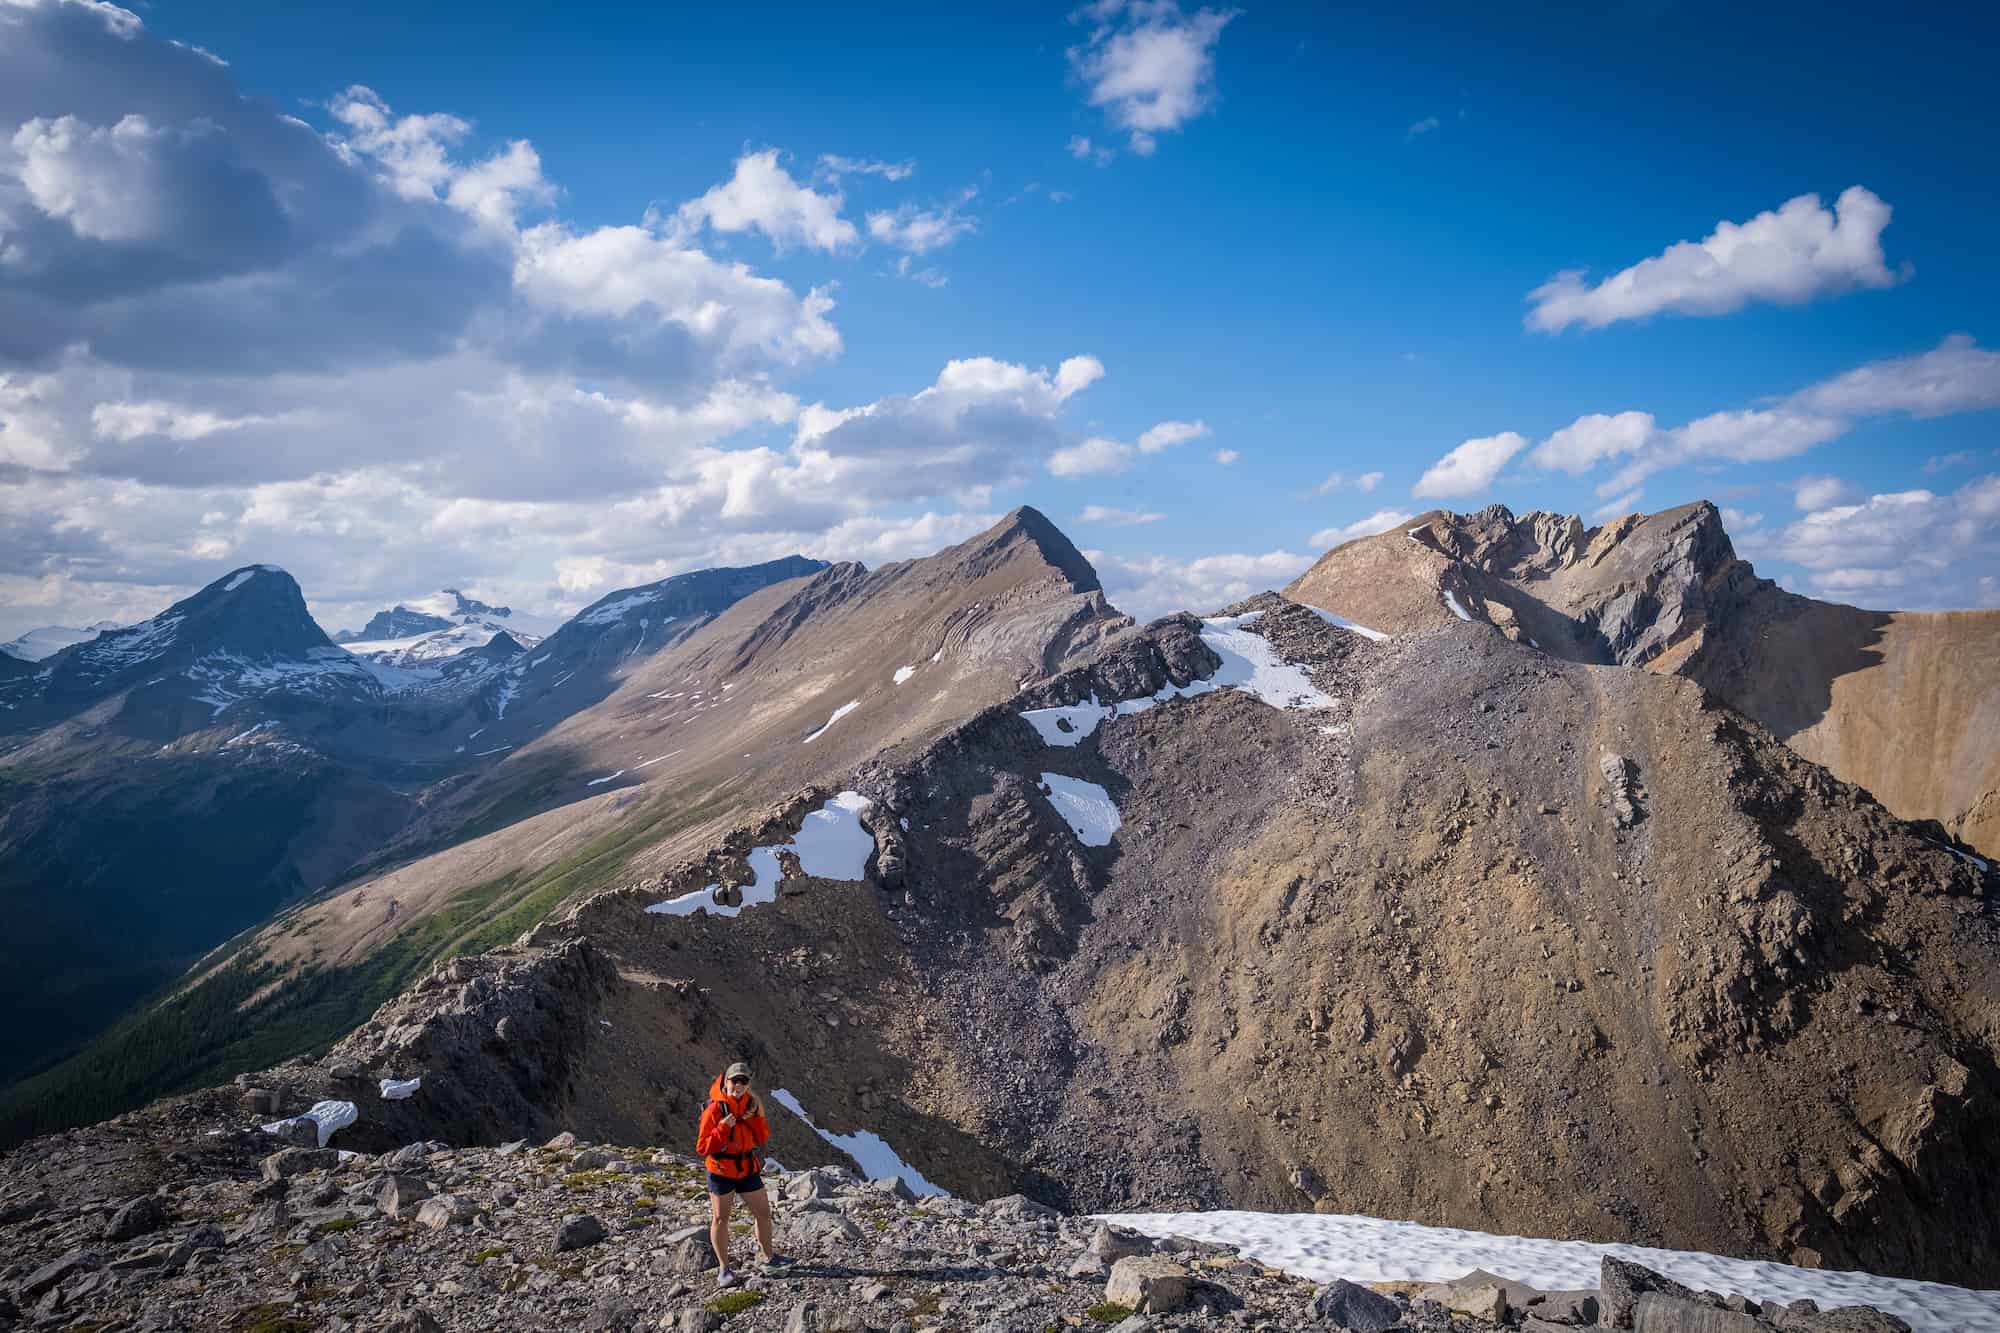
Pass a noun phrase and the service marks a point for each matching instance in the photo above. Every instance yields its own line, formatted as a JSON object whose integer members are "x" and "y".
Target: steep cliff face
{"x": 1905, "y": 703}
{"x": 1431, "y": 928}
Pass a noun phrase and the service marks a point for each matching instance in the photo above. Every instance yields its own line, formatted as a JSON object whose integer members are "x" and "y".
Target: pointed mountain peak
{"x": 501, "y": 647}
{"x": 253, "y": 614}
{"x": 1026, "y": 529}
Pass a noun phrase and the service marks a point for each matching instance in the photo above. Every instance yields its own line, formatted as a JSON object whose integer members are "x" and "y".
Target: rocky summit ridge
{"x": 154, "y": 1225}
{"x": 1905, "y": 703}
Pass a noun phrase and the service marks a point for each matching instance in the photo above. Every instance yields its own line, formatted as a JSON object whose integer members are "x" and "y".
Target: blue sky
{"x": 495, "y": 315}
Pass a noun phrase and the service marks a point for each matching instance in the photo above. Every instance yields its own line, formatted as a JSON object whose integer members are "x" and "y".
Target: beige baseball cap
{"x": 737, "y": 1070}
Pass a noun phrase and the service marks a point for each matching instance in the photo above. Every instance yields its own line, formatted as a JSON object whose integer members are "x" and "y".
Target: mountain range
{"x": 1438, "y": 881}
{"x": 173, "y": 782}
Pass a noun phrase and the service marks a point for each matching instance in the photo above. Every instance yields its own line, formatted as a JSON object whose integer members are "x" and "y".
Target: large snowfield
{"x": 1323, "y": 1247}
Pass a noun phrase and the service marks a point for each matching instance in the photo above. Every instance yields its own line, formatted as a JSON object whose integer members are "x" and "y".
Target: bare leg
{"x": 719, "y": 1208}
{"x": 759, "y": 1205}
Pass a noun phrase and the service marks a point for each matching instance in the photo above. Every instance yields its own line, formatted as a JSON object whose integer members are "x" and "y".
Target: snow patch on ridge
{"x": 902, "y": 674}
{"x": 830, "y": 844}
{"x": 615, "y": 610}
{"x": 1322, "y": 1247}
{"x": 1068, "y": 724}
{"x": 1249, "y": 663}
{"x": 1339, "y": 621}
{"x": 243, "y": 576}
{"x": 875, "y": 1157}
{"x": 838, "y": 714}
{"x": 1452, "y": 602}
{"x": 1085, "y": 807}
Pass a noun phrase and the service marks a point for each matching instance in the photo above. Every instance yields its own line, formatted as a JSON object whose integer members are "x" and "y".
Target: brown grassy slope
{"x": 1010, "y": 603}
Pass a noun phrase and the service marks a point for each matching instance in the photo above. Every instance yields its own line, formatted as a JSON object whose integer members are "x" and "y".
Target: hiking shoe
{"x": 776, "y": 1265}
{"x": 726, "y": 1278}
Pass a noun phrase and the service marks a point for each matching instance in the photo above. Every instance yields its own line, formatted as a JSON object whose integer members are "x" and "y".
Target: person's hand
{"x": 729, "y": 1119}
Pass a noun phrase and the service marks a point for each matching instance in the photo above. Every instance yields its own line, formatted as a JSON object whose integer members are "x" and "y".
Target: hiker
{"x": 732, "y": 1129}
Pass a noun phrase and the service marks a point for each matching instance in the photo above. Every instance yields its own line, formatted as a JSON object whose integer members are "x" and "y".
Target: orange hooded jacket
{"x": 729, "y": 1151}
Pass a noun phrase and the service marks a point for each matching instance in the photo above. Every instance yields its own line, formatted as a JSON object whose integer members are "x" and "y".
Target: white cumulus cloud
{"x": 1812, "y": 492}
{"x": 762, "y": 196}
{"x": 1956, "y": 376}
{"x": 1470, "y": 467}
{"x": 1147, "y": 586}
{"x": 1100, "y": 454}
{"x": 1380, "y": 521}
{"x": 1788, "y": 255}
{"x": 1149, "y": 65}
{"x": 1905, "y": 550}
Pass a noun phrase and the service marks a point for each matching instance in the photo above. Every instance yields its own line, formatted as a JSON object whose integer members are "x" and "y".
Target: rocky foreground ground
{"x": 108, "y": 1229}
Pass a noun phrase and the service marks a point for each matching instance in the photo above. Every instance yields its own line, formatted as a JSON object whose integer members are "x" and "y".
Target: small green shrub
{"x": 735, "y": 1302}
{"x": 1109, "y": 1312}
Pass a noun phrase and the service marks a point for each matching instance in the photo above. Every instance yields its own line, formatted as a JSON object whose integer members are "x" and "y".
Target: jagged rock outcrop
{"x": 1905, "y": 703}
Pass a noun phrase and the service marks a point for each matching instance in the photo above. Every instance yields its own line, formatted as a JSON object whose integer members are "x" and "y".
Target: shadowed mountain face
{"x": 169, "y": 784}
{"x": 659, "y": 713}
{"x": 1432, "y": 928}
{"x": 1905, "y": 703}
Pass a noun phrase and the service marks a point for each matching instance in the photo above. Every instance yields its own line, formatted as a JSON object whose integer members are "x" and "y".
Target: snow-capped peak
{"x": 49, "y": 640}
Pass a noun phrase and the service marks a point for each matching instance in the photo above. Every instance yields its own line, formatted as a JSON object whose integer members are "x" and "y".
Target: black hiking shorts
{"x": 750, "y": 1184}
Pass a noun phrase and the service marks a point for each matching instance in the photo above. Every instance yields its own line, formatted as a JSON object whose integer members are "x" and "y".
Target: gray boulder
{"x": 1017, "y": 1208}
{"x": 298, "y": 1131}
{"x": 288, "y": 1162}
{"x": 690, "y": 1255}
{"x": 408, "y": 1156}
{"x": 893, "y": 1187}
{"x": 1111, "y": 1243}
{"x": 442, "y": 1210}
{"x": 822, "y": 1230}
{"x": 1566, "y": 1307}
{"x": 577, "y": 1232}
{"x": 1149, "y": 1284}
{"x": 140, "y": 1217}
{"x": 1621, "y": 1283}
{"x": 56, "y": 1272}
{"x": 401, "y": 1194}
{"x": 1345, "y": 1305}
